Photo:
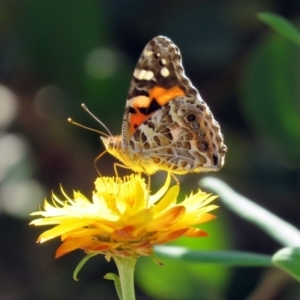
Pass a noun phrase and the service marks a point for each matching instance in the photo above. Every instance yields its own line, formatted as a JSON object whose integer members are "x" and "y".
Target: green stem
{"x": 126, "y": 270}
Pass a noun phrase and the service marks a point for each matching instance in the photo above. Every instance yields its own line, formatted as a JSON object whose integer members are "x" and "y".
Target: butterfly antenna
{"x": 95, "y": 118}
{"x": 85, "y": 127}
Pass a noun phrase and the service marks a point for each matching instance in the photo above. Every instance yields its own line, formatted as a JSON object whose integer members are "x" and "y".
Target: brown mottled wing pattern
{"x": 181, "y": 137}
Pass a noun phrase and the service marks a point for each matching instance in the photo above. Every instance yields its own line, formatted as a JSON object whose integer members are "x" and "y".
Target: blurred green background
{"x": 54, "y": 55}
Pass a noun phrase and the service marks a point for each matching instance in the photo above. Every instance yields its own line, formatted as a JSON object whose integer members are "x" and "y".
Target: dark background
{"x": 54, "y": 55}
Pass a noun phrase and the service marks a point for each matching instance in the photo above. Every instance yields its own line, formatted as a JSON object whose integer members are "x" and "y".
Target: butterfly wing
{"x": 157, "y": 79}
{"x": 181, "y": 137}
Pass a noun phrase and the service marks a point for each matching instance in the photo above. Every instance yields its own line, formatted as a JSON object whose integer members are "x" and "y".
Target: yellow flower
{"x": 122, "y": 219}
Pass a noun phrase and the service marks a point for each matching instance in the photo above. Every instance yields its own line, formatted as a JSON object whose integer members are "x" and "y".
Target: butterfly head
{"x": 111, "y": 142}
{"x": 113, "y": 145}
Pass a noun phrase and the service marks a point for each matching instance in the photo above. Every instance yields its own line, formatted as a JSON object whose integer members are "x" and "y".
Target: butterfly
{"x": 166, "y": 124}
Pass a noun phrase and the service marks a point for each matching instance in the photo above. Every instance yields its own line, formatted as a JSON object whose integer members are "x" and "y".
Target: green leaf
{"x": 81, "y": 264}
{"x": 282, "y": 26}
{"x": 288, "y": 259}
{"x": 285, "y": 233}
{"x": 227, "y": 258}
{"x": 270, "y": 97}
{"x": 116, "y": 279}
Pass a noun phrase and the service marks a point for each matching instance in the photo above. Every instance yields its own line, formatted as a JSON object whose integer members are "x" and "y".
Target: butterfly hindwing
{"x": 179, "y": 137}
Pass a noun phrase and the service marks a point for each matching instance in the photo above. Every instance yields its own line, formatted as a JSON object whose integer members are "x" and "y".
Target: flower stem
{"x": 126, "y": 271}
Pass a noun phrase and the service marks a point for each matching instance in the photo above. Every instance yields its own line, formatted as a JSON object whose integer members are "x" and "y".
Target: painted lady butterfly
{"x": 166, "y": 124}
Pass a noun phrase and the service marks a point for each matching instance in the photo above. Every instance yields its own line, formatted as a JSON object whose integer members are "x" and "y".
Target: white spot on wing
{"x": 163, "y": 61}
{"x": 148, "y": 75}
{"x": 148, "y": 53}
{"x": 164, "y": 72}
{"x": 139, "y": 74}
{"x": 143, "y": 75}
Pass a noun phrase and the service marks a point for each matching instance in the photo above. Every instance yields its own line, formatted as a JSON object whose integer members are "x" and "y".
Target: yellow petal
{"x": 195, "y": 232}
{"x": 168, "y": 200}
{"x": 61, "y": 229}
{"x": 157, "y": 196}
{"x": 71, "y": 245}
{"x": 166, "y": 219}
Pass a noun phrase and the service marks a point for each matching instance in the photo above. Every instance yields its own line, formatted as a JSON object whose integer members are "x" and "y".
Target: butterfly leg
{"x": 175, "y": 178}
{"x": 149, "y": 184}
{"x": 120, "y": 166}
{"x": 95, "y": 162}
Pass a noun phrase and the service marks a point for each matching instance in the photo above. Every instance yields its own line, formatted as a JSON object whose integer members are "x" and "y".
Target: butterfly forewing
{"x": 157, "y": 79}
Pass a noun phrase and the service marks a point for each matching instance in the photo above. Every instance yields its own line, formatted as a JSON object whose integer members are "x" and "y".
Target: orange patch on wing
{"x": 136, "y": 120}
{"x": 162, "y": 97}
